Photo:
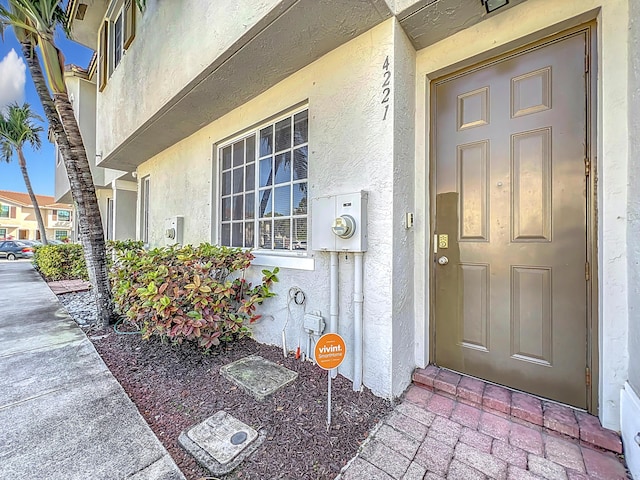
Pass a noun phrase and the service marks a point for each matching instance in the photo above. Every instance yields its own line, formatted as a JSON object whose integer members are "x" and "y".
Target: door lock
{"x": 443, "y": 260}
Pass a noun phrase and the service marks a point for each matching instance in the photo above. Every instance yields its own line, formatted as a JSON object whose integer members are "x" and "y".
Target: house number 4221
{"x": 386, "y": 86}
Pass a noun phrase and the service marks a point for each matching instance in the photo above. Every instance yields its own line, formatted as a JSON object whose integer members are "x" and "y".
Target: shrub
{"x": 60, "y": 262}
{"x": 188, "y": 293}
{"x": 66, "y": 261}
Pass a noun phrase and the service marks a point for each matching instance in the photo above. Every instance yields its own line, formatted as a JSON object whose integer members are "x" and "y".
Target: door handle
{"x": 443, "y": 260}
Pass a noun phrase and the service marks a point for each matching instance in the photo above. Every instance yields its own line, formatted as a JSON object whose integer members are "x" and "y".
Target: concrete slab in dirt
{"x": 258, "y": 376}
{"x": 221, "y": 442}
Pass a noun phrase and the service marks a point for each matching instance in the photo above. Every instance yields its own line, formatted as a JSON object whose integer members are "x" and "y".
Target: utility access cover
{"x": 258, "y": 376}
{"x": 221, "y": 442}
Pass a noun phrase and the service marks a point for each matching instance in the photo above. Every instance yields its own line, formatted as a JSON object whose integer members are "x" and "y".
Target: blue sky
{"x": 16, "y": 85}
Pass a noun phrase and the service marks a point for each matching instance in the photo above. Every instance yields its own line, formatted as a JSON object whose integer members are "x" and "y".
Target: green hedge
{"x": 66, "y": 261}
{"x": 60, "y": 262}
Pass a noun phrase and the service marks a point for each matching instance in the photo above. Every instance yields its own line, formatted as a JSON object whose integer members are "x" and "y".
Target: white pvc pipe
{"x": 358, "y": 300}
{"x": 334, "y": 306}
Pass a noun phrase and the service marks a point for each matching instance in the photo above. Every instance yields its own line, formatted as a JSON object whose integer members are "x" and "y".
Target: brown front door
{"x": 511, "y": 220}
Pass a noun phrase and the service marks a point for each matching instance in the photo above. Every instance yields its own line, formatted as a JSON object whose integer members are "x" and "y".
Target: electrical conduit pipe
{"x": 334, "y": 306}
{"x": 358, "y": 300}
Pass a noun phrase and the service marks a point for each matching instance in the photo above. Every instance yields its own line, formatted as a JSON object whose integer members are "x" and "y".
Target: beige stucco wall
{"x": 173, "y": 45}
{"x": 517, "y": 26}
{"x": 633, "y": 232}
{"x": 351, "y": 149}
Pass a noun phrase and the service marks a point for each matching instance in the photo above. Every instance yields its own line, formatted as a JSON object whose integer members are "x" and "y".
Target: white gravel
{"x": 80, "y": 306}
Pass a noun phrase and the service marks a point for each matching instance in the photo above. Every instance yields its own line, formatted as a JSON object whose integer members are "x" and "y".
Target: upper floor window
{"x": 264, "y": 187}
{"x": 5, "y": 211}
{"x": 117, "y": 40}
{"x": 64, "y": 215}
{"x": 114, "y": 37}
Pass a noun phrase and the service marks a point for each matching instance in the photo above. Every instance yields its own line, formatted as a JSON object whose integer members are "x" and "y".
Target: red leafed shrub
{"x": 189, "y": 293}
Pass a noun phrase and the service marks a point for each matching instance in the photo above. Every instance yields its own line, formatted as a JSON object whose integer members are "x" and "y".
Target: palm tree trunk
{"x": 81, "y": 184}
{"x": 91, "y": 231}
{"x": 34, "y": 200}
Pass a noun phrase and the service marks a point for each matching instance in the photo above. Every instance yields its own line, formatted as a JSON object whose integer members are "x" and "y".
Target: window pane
{"x": 249, "y": 234}
{"x": 250, "y": 175}
{"x": 300, "y": 127}
{"x": 282, "y": 201}
{"x": 225, "y": 237}
{"x": 238, "y": 208}
{"x": 250, "y": 148}
{"x": 238, "y": 180}
{"x": 265, "y": 203}
{"x": 238, "y": 153}
{"x": 226, "y": 158}
{"x": 283, "y": 134}
{"x": 249, "y": 206}
{"x": 266, "y": 172}
{"x": 283, "y": 167}
{"x": 266, "y": 141}
{"x": 266, "y": 238}
{"x": 300, "y": 199}
{"x": 300, "y": 163}
{"x": 282, "y": 230}
{"x": 299, "y": 233}
{"x": 226, "y": 183}
{"x": 236, "y": 235}
{"x": 226, "y": 209}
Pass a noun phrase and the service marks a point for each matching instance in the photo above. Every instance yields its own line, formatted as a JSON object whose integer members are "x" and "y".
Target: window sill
{"x": 295, "y": 262}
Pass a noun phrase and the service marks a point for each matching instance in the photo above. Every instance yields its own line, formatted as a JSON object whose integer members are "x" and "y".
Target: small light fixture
{"x": 492, "y": 5}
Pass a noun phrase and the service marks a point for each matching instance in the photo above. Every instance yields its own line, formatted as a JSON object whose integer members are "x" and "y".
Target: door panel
{"x": 510, "y": 185}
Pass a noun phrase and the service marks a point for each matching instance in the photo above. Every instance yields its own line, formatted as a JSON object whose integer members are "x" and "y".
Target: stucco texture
{"x": 351, "y": 148}
{"x": 633, "y": 225}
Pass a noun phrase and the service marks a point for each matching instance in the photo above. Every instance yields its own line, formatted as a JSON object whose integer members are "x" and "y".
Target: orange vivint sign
{"x": 330, "y": 351}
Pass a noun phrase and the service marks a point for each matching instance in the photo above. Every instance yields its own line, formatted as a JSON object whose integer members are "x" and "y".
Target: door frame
{"x": 469, "y": 66}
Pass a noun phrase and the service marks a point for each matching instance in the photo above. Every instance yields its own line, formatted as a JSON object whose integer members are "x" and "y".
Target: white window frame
{"x": 145, "y": 202}
{"x": 66, "y": 211}
{"x": 3, "y": 233}
{"x": 287, "y": 258}
{"x": 2, "y": 209}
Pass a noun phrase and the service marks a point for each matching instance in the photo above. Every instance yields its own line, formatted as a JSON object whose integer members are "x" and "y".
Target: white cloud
{"x": 12, "y": 79}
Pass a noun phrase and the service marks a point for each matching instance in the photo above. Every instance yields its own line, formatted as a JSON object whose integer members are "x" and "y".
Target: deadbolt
{"x": 443, "y": 260}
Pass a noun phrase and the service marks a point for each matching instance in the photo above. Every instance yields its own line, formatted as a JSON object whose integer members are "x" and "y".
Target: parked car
{"x": 33, "y": 243}
{"x": 12, "y": 249}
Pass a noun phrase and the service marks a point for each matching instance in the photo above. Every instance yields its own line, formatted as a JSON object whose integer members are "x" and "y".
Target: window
{"x": 144, "y": 210}
{"x": 3, "y": 233}
{"x": 64, "y": 215}
{"x": 114, "y": 37}
{"x": 117, "y": 40}
{"x": 61, "y": 234}
{"x": 263, "y": 187}
{"x": 4, "y": 211}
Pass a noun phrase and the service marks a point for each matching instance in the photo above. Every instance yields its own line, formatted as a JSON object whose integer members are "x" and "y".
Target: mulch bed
{"x": 175, "y": 387}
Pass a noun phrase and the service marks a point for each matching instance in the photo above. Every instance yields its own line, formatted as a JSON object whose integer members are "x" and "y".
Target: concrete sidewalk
{"x": 62, "y": 413}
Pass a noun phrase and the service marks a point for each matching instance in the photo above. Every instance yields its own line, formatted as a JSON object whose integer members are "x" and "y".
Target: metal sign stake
{"x": 329, "y": 354}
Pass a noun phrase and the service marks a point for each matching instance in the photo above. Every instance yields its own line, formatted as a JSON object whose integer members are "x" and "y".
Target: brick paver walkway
{"x": 431, "y": 436}
{"x": 68, "y": 286}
